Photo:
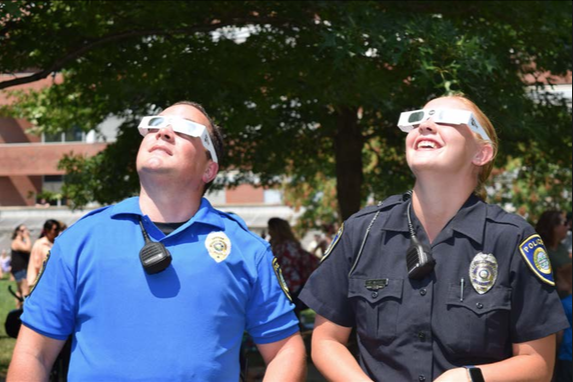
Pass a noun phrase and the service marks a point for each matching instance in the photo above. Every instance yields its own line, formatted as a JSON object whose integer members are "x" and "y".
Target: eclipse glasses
{"x": 179, "y": 125}
{"x": 411, "y": 119}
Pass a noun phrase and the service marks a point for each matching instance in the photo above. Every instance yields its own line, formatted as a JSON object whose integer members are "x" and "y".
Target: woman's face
{"x": 442, "y": 148}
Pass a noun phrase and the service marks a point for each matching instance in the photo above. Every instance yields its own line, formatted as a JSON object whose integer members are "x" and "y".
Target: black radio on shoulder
{"x": 418, "y": 257}
{"x": 154, "y": 256}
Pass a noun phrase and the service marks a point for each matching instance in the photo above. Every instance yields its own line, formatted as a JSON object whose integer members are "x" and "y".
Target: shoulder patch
{"x": 280, "y": 278}
{"x": 33, "y": 286}
{"x": 333, "y": 243}
{"x": 535, "y": 255}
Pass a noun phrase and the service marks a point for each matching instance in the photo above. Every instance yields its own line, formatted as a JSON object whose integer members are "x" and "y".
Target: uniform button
{"x": 422, "y": 336}
{"x": 423, "y": 291}
{"x": 479, "y": 305}
{"x": 421, "y": 378}
{"x": 374, "y": 294}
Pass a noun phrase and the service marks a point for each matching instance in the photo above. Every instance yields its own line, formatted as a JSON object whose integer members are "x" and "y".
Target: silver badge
{"x": 483, "y": 272}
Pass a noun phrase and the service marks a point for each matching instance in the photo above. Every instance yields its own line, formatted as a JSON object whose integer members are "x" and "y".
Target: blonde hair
{"x": 484, "y": 121}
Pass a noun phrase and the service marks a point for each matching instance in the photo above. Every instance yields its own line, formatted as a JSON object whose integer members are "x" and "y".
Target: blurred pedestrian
{"x": 297, "y": 264}
{"x": 567, "y": 242}
{"x": 4, "y": 263}
{"x": 564, "y": 355}
{"x": 20, "y": 256}
{"x": 324, "y": 240}
{"x": 41, "y": 248}
{"x": 552, "y": 227}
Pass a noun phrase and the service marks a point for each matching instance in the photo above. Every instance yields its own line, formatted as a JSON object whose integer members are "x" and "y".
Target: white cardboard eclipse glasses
{"x": 411, "y": 119}
{"x": 179, "y": 125}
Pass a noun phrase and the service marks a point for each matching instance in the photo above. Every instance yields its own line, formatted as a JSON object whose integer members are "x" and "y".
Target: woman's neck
{"x": 436, "y": 202}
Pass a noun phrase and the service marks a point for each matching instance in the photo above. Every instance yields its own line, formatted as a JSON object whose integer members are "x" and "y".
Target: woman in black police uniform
{"x": 462, "y": 293}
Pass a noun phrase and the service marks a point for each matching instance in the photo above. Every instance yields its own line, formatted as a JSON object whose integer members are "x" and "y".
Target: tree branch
{"x": 80, "y": 51}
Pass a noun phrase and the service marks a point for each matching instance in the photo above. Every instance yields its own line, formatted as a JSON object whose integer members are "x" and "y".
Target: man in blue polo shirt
{"x": 161, "y": 286}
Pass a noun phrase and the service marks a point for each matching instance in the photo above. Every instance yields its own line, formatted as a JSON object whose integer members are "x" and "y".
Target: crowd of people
{"x": 24, "y": 261}
{"x": 438, "y": 284}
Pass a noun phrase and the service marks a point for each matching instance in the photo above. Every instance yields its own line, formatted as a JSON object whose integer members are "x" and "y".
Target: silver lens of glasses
{"x": 416, "y": 117}
{"x": 156, "y": 121}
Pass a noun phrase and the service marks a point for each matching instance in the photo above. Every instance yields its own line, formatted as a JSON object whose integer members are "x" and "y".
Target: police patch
{"x": 333, "y": 243}
{"x": 535, "y": 254}
{"x": 281, "y": 279}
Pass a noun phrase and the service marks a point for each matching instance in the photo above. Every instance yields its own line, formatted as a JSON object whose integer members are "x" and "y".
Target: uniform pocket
{"x": 478, "y": 326}
{"x": 377, "y": 304}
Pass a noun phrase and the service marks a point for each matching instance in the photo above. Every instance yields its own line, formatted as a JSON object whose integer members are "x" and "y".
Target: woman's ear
{"x": 484, "y": 155}
{"x": 210, "y": 171}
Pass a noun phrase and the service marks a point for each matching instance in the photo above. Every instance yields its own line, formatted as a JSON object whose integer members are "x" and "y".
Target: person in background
{"x": 567, "y": 242}
{"x": 296, "y": 263}
{"x": 63, "y": 226}
{"x": 440, "y": 285}
{"x": 552, "y": 227}
{"x": 564, "y": 354}
{"x": 20, "y": 254}
{"x": 324, "y": 241}
{"x": 4, "y": 263}
{"x": 161, "y": 287}
{"x": 41, "y": 248}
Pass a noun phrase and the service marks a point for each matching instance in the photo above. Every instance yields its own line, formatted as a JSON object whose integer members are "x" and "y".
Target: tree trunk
{"x": 348, "y": 145}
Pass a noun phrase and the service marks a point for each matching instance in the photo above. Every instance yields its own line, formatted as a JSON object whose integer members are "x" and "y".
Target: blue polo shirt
{"x": 185, "y": 323}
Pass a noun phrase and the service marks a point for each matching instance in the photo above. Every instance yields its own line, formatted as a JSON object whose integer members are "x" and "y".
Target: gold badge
{"x": 218, "y": 245}
{"x": 483, "y": 272}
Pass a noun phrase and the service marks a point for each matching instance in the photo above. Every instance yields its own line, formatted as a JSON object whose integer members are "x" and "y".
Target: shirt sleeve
{"x": 536, "y": 309}
{"x": 270, "y": 313}
{"x": 326, "y": 291}
{"x": 49, "y": 309}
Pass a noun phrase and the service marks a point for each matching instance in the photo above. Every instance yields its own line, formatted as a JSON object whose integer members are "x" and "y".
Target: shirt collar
{"x": 206, "y": 214}
{"x": 469, "y": 220}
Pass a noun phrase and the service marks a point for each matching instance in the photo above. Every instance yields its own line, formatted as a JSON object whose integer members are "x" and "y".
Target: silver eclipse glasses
{"x": 179, "y": 125}
{"x": 411, "y": 119}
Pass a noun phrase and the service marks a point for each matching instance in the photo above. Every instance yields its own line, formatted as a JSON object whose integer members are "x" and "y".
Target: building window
{"x": 75, "y": 134}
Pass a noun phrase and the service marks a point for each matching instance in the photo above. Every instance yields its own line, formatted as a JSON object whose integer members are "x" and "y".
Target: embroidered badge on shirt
{"x": 333, "y": 243}
{"x": 280, "y": 277}
{"x": 483, "y": 272}
{"x": 218, "y": 245}
{"x": 535, "y": 254}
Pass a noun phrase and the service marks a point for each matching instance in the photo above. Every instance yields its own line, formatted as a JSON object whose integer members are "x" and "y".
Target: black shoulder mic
{"x": 154, "y": 256}
{"x": 418, "y": 257}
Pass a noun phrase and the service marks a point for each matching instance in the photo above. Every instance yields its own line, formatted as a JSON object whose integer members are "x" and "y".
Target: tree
{"x": 301, "y": 88}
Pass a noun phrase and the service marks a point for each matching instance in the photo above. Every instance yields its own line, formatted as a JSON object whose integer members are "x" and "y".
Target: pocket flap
{"x": 374, "y": 290}
{"x": 499, "y": 297}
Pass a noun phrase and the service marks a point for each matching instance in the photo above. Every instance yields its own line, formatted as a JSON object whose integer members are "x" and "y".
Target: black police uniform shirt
{"x": 410, "y": 330}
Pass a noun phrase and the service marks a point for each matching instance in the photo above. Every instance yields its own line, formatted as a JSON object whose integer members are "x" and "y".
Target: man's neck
{"x": 167, "y": 207}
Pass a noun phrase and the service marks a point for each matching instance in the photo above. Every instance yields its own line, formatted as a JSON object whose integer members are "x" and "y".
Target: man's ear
{"x": 210, "y": 172}
{"x": 484, "y": 155}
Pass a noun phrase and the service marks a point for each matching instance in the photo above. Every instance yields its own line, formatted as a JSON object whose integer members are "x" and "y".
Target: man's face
{"x": 176, "y": 157}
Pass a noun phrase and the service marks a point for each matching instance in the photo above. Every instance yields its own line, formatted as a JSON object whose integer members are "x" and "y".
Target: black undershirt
{"x": 167, "y": 228}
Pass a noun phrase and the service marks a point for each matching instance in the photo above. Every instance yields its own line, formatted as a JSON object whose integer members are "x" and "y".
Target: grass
{"x": 7, "y": 303}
